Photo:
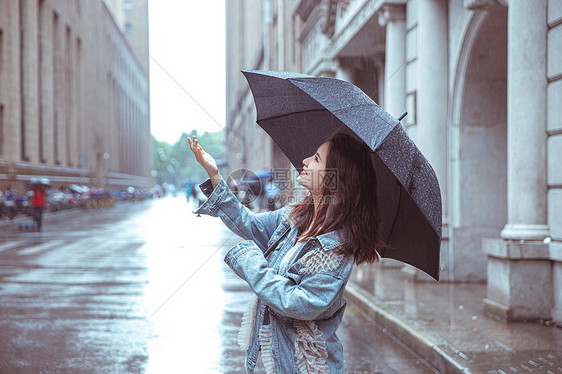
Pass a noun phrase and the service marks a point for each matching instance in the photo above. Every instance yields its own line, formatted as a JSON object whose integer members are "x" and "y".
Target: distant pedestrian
{"x": 298, "y": 259}
{"x": 38, "y": 205}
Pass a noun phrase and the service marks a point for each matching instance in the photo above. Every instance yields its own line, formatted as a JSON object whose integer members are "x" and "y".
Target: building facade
{"x": 481, "y": 81}
{"x": 74, "y": 97}
{"x": 132, "y": 18}
{"x": 258, "y": 37}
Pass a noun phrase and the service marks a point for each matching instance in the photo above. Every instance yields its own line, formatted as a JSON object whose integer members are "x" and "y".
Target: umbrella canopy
{"x": 301, "y": 112}
{"x": 36, "y": 182}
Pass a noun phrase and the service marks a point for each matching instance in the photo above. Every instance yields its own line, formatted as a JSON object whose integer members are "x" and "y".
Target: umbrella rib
{"x": 293, "y": 113}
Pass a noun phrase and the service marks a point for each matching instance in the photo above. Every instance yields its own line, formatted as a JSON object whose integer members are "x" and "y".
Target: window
{"x": 68, "y": 95}
{"x": 411, "y": 106}
{"x": 23, "y": 17}
{"x": 40, "y": 70}
{"x": 56, "y": 101}
{"x": 1, "y": 48}
{"x": 2, "y": 137}
{"x": 78, "y": 92}
{"x": 127, "y": 6}
{"x": 128, "y": 28}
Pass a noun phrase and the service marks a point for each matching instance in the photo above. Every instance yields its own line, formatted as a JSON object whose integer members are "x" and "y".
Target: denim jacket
{"x": 293, "y": 319}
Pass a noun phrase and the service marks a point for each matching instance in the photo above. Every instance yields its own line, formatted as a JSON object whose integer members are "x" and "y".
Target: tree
{"x": 176, "y": 164}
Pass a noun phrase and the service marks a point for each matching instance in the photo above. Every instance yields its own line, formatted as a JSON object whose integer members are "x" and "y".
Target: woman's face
{"x": 314, "y": 170}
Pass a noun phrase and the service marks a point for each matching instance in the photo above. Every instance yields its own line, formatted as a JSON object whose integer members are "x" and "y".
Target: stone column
{"x": 526, "y": 118}
{"x": 394, "y": 18}
{"x": 432, "y": 87}
{"x": 432, "y": 96}
{"x": 267, "y": 20}
{"x": 280, "y": 35}
{"x": 519, "y": 270}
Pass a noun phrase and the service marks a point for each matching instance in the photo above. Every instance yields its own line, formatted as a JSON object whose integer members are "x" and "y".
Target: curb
{"x": 425, "y": 345}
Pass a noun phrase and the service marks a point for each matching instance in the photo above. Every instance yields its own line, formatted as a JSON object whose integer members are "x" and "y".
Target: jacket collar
{"x": 330, "y": 240}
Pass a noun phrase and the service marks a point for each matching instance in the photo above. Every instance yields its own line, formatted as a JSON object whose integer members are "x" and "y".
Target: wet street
{"x": 141, "y": 288}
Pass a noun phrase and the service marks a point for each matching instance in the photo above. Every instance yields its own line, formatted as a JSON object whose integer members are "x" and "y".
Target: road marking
{"x": 41, "y": 247}
{"x": 503, "y": 346}
{"x": 85, "y": 244}
{"x": 10, "y": 245}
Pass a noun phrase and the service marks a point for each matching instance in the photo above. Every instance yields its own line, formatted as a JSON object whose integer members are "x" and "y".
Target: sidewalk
{"x": 445, "y": 323}
{"x": 6, "y": 222}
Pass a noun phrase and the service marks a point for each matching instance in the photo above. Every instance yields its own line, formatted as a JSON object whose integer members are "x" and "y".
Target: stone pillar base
{"x": 519, "y": 280}
{"x": 511, "y": 313}
{"x": 520, "y": 231}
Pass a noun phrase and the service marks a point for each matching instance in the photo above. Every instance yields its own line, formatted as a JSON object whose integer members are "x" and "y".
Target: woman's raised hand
{"x": 202, "y": 157}
{"x": 206, "y": 160}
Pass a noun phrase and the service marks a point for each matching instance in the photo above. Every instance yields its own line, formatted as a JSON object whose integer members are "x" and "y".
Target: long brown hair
{"x": 348, "y": 204}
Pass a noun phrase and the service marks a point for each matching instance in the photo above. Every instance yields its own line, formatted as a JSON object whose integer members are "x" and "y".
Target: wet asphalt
{"x": 141, "y": 288}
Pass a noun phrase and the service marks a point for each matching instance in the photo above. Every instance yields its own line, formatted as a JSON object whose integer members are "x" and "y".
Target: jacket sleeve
{"x": 307, "y": 300}
{"x": 222, "y": 203}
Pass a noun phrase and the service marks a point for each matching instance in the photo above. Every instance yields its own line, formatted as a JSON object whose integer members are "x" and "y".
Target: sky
{"x": 187, "y": 67}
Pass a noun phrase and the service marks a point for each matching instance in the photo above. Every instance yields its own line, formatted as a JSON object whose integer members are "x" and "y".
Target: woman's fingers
{"x": 197, "y": 146}
{"x": 193, "y": 144}
{"x": 196, "y": 149}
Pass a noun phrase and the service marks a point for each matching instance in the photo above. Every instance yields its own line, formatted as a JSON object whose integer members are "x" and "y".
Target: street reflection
{"x": 184, "y": 298}
{"x": 410, "y": 301}
{"x": 142, "y": 287}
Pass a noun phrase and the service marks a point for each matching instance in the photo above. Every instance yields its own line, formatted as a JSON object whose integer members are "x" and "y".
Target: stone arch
{"x": 478, "y": 138}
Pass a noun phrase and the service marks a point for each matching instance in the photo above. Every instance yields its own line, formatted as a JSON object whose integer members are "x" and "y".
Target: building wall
{"x": 554, "y": 147}
{"x": 132, "y": 18}
{"x": 73, "y": 97}
{"x": 248, "y": 145}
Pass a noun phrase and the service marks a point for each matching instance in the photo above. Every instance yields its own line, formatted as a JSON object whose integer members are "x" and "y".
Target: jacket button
{"x": 313, "y": 241}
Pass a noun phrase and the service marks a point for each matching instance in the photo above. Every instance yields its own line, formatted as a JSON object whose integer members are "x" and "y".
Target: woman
{"x": 298, "y": 259}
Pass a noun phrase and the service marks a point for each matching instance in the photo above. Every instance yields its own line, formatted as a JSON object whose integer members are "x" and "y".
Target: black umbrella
{"x": 301, "y": 112}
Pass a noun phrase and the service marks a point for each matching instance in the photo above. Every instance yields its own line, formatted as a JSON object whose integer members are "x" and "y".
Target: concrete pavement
{"x": 443, "y": 323}
{"x": 446, "y": 324}
{"x": 142, "y": 288}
